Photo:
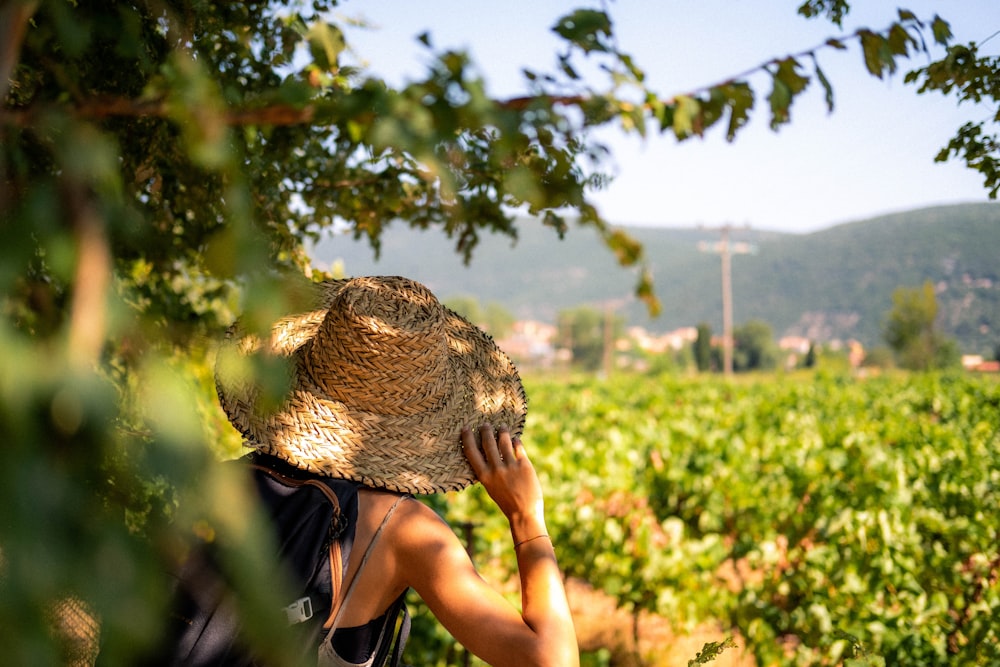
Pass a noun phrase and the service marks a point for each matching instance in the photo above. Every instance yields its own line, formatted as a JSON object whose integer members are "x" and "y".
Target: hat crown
{"x": 382, "y": 346}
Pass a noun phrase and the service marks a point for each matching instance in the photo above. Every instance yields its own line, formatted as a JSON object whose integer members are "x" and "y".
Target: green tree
{"x": 879, "y": 357}
{"x": 163, "y": 166}
{"x": 494, "y": 318}
{"x": 497, "y": 320}
{"x": 467, "y": 306}
{"x": 810, "y": 358}
{"x": 753, "y": 347}
{"x": 587, "y": 333}
{"x": 702, "y": 347}
{"x": 911, "y": 331}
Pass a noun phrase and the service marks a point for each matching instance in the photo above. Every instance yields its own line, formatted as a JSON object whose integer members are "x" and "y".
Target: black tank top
{"x": 358, "y": 643}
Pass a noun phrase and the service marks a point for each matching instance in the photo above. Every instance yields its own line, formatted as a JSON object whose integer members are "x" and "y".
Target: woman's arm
{"x": 472, "y": 611}
{"x": 505, "y": 471}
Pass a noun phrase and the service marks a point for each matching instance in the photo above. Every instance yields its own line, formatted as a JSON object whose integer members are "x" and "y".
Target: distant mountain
{"x": 832, "y": 284}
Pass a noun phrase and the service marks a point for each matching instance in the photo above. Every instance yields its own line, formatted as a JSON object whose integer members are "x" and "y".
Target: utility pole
{"x": 608, "y": 359}
{"x": 726, "y": 249}
{"x": 610, "y": 306}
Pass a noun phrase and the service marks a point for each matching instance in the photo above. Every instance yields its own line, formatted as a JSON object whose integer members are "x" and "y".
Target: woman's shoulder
{"x": 377, "y": 498}
{"x": 411, "y": 521}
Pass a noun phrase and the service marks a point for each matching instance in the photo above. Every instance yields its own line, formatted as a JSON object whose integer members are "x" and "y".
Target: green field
{"x": 815, "y": 518}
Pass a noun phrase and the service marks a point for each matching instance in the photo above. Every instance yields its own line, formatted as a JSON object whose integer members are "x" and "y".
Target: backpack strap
{"x": 301, "y": 609}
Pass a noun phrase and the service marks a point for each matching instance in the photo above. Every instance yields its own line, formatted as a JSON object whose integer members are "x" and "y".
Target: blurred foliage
{"x": 163, "y": 166}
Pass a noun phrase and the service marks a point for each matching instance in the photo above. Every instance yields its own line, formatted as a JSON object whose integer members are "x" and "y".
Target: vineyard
{"x": 814, "y": 520}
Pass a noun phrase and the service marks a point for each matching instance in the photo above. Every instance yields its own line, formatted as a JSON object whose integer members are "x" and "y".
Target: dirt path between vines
{"x": 600, "y": 624}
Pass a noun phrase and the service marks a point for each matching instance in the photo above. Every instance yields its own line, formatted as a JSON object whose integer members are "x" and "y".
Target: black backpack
{"x": 314, "y": 519}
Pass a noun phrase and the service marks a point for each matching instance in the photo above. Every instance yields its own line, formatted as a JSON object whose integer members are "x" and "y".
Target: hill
{"x": 832, "y": 284}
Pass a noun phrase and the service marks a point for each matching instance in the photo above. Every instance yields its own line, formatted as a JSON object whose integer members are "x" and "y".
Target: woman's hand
{"x": 502, "y": 466}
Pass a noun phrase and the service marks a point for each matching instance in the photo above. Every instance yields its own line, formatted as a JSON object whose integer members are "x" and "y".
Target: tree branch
{"x": 289, "y": 115}
{"x": 88, "y": 310}
{"x": 14, "y": 17}
{"x": 120, "y": 107}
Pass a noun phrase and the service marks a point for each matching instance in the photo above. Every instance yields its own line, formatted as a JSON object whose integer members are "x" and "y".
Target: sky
{"x": 873, "y": 155}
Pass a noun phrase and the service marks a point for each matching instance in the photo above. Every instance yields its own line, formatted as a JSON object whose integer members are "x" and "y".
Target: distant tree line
{"x": 910, "y": 331}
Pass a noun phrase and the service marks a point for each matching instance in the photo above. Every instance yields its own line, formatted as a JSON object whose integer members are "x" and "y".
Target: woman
{"x": 397, "y": 393}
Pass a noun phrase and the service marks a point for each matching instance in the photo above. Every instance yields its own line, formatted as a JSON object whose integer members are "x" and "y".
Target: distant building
{"x": 658, "y": 344}
{"x": 855, "y": 353}
{"x": 975, "y": 362}
{"x": 794, "y": 344}
{"x": 530, "y": 342}
{"x": 797, "y": 346}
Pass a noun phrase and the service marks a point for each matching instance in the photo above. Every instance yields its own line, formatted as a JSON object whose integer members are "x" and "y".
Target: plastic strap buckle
{"x": 299, "y": 611}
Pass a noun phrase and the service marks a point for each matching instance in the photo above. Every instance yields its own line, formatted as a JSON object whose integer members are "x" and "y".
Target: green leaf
{"x": 326, "y": 43}
{"x": 712, "y": 108}
{"x": 941, "y": 30}
{"x": 567, "y": 68}
{"x": 522, "y": 184}
{"x": 627, "y": 250}
{"x": 586, "y": 28}
{"x": 633, "y": 69}
{"x": 710, "y": 651}
{"x": 295, "y": 92}
{"x": 196, "y": 106}
{"x": 633, "y": 118}
{"x": 788, "y": 73}
{"x": 835, "y": 10}
{"x": 780, "y": 99}
{"x": 872, "y": 45}
{"x": 827, "y": 88}
{"x": 787, "y": 84}
{"x": 647, "y": 294}
{"x": 92, "y": 156}
{"x": 598, "y": 109}
{"x": 888, "y": 56}
{"x": 899, "y": 40}
{"x": 740, "y": 101}
{"x": 685, "y": 111}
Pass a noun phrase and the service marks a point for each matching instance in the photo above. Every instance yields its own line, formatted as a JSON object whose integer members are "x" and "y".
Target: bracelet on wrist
{"x": 530, "y": 539}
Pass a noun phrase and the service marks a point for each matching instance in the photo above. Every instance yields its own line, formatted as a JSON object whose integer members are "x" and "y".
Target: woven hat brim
{"x": 417, "y": 452}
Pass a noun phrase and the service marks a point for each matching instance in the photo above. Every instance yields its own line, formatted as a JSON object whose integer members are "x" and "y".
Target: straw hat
{"x": 382, "y": 379}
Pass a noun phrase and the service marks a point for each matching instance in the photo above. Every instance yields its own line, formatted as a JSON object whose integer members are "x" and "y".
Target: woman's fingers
{"x": 505, "y": 445}
{"x": 472, "y": 452}
{"x": 484, "y": 454}
{"x": 519, "y": 451}
{"x": 488, "y": 442}
{"x": 493, "y": 451}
